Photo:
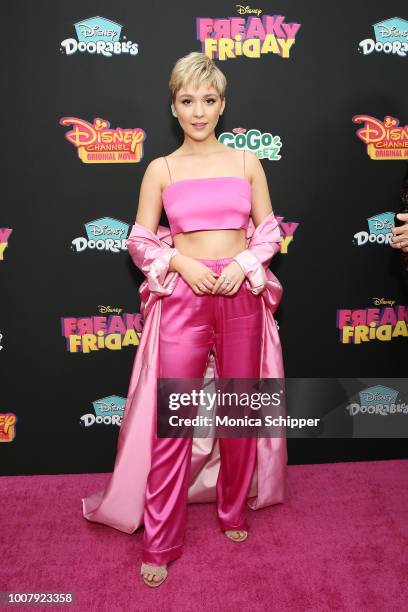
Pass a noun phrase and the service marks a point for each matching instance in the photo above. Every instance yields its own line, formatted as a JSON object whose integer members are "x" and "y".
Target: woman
{"x": 207, "y": 311}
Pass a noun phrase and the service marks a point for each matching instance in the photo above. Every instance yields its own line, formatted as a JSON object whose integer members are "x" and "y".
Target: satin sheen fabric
{"x": 220, "y": 202}
{"x": 190, "y": 326}
{"x": 121, "y": 503}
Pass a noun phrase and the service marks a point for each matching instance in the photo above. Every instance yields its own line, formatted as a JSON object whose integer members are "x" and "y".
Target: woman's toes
{"x": 152, "y": 577}
{"x": 235, "y": 535}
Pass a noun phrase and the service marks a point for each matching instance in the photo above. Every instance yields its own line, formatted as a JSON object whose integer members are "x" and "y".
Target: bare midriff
{"x": 210, "y": 244}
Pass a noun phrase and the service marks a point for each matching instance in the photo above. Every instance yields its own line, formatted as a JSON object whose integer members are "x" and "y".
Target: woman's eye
{"x": 212, "y": 100}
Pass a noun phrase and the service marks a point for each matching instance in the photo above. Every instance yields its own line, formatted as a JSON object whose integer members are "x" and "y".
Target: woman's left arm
{"x": 261, "y": 201}
{"x": 267, "y": 239}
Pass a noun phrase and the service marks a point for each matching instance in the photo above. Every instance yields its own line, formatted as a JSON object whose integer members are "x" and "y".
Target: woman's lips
{"x": 199, "y": 126}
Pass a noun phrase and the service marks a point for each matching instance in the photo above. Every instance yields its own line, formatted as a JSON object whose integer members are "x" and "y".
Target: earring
{"x": 173, "y": 113}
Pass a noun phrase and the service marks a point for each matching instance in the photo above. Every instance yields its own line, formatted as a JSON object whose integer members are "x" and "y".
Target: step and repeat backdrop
{"x": 318, "y": 93}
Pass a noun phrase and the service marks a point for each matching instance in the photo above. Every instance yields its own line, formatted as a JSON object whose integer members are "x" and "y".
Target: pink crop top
{"x": 220, "y": 202}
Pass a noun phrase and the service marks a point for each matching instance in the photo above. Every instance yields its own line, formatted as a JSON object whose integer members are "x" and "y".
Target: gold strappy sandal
{"x": 243, "y": 537}
{"x": 158, "y": 570}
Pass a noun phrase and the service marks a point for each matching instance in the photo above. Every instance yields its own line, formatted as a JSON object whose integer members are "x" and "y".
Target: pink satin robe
{"x": 121, "y": 503}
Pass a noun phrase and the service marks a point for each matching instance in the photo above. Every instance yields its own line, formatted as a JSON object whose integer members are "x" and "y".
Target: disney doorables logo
{"x": 103, "y": 234}
{"x": 107, "y": 411}
{"x": 378, "y": 400}
{"x": 391, "y": 37}
{"x": 98, "y": 143}
{"x": 384, "y": 139}
{"x": 99, "y": 36}
{"x": 379, "y": 230}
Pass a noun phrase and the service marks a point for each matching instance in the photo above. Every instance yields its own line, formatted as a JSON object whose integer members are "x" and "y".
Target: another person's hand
{"x": 400, "y": 234}
{"x": 235, "y": 274}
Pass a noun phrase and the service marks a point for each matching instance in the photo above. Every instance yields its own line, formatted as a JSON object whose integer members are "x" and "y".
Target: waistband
{"x": 215, "y": 262}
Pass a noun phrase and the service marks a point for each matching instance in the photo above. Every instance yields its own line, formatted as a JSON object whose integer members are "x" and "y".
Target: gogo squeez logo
{"x": 99, "y": 36}
{"x": 105, "y": 234}
{"x": 366, "y": 324}
{"x": 265, "y": 145}
{"x": 391, "y": 37}
{"x": 107, "y": 411}
{"x": 379, "y": 230}
{"x": 231, "y": 37}
{"x": 97, "y": 143}
{"x": 90, "y": 334}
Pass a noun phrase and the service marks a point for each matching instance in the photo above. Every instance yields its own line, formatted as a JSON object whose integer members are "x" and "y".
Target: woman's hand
{"x": 200, "y": 278}
{"x": 400, "y": 234}
{"x": 235, "y": 274}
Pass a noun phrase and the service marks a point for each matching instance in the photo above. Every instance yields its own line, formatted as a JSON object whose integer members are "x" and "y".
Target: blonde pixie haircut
{"x": 193, "y": 69}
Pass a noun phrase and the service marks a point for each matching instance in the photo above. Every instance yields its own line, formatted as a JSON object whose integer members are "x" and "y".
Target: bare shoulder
{"x": 253, "y": 167}
{"x": 155, "y": 173}
{"x": 150, "y": 195}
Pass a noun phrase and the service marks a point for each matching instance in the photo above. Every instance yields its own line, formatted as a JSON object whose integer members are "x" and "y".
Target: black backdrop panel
{"x": 322, "y": 179}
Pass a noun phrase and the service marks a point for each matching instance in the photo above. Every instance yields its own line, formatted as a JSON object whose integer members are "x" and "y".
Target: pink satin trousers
{"x": 190, "y": 326}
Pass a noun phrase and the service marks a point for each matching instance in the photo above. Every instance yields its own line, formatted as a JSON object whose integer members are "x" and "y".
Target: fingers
{"x": 399, "y": 236}
{"x": 231, "y": 289}
{"x": 400, "y": 229}
{"x": 228, "y": 289}
{"x": 224, "y": 289}
{"x": 218, "y": 286}
{"x": 214, "y": 283}
{"x": 400, "y": 244}
{"x": 206, "y": 284}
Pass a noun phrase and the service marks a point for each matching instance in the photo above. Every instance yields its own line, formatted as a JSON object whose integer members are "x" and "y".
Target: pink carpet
{"x": 340, "y": 542}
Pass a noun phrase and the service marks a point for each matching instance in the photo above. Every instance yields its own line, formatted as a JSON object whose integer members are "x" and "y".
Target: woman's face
{"x": 198, "y": 106}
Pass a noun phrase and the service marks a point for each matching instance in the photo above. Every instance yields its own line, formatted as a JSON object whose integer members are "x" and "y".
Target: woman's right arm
{"x": 155, "y": 262}
{"x": 150, "y": 204}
